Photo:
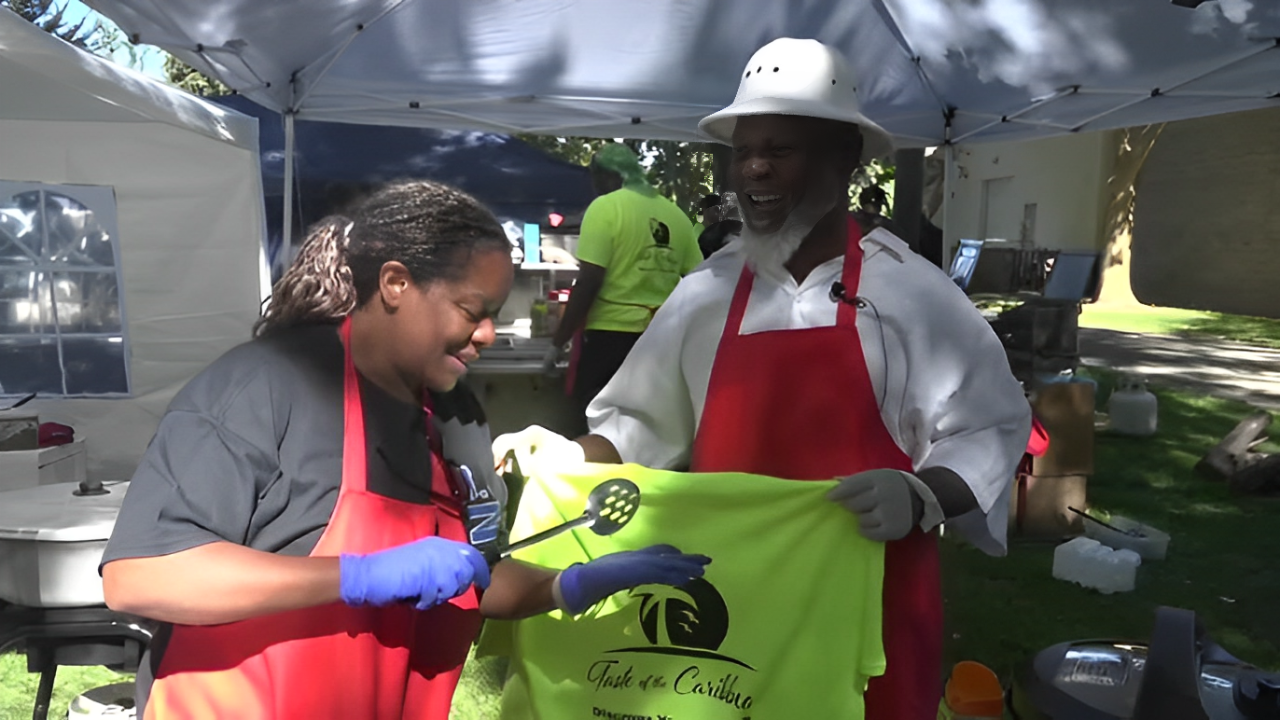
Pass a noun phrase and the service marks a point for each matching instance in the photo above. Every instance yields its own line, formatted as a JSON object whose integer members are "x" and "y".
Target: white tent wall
{"x": 190, "y": 219}
{"x": 1064, "y": 178}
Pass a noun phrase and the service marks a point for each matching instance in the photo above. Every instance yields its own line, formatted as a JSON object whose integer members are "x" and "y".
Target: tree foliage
{"x": 182, "y": 75}
{"x": 576, "y": 150}
{"x": 683, "y": 171}
{"x": 872, "y": 186}
{"x": 47, "y": 16}
{"x": 680, "y": 170}
{"x": 107, "y": 41}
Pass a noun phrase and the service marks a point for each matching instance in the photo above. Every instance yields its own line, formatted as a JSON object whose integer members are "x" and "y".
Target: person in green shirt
{"x": 633, "y": 248}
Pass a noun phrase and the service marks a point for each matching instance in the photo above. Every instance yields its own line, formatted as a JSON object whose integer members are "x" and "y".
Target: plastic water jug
{"x": 1133, "y": 409}
{"x": 1090, "y": 563}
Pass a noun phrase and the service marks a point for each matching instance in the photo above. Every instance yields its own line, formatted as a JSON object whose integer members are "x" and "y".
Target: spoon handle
{"x": 585, "y": 519}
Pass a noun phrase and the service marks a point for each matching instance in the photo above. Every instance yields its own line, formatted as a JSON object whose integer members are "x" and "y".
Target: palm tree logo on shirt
{"x": 693, "y": 615}
{"x": 660, "y": 232}
{"x": 690, "y": 620}
{"x": 660, "y": 257}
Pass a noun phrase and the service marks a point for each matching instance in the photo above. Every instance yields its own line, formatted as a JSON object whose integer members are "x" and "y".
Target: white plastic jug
{"x": 1133, "y": 409}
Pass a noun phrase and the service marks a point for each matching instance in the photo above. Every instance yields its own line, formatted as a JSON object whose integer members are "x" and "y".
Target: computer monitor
{"x": 1074, "y": 276}
{"x": 964, "y": 262}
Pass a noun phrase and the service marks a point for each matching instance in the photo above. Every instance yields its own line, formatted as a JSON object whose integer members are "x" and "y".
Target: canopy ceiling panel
{"x": 930, "y": 71}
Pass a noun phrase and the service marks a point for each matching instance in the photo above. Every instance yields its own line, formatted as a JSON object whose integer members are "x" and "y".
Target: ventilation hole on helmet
{"x": 748, "y": 74}
{"x": 833, "y": 81}
{"x": 775, "y": 69}
{"x": 759, "y": 69}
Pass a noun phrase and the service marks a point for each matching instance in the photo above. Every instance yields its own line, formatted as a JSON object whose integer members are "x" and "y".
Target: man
{"x": 874, "y": 202}
{"x": 815, "y": 348}
{"x": 634, "y": 246}
{"x": 708, "y": 213}
{"x": 720, "y": 213}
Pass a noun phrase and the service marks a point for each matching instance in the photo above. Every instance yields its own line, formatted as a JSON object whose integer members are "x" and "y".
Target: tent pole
{"x": 948, "y": 168}
{"x": 908, "y": 194}
{"x": 286, "y": 238}
{"x": 720, "y": 158}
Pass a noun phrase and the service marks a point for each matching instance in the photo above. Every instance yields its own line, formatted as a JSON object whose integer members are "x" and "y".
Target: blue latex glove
{"x": 425, "y": 572}
{"x": 584, "y": 585}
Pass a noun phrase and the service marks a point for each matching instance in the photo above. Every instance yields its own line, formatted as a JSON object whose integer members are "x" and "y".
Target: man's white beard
{"x": 770, "y": 252}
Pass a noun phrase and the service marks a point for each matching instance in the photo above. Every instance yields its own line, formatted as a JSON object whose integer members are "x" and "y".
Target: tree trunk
{"x": 1135, "y": 145}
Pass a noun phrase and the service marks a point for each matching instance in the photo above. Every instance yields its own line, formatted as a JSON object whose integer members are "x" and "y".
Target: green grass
{"x": 1263, "y": 332}
{"x": 477, "y": 697}
{"x": 18, "y": 687}
{"x": 1220, "y": 564}
{"x": 1000, "y": 611}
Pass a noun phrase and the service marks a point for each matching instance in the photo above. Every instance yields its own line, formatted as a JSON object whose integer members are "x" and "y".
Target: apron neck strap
{"x": 354, "y": 467}
{"x": 847, "y": 310}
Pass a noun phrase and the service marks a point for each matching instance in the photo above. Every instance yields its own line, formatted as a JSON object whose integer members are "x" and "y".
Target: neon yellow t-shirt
{"x": 785, "y": 624}
{"x": 645, "y": 244}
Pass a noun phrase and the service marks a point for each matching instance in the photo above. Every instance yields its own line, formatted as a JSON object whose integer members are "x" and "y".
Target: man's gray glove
{"x": 538, "y": 450}
{"x": 888, "y": 503}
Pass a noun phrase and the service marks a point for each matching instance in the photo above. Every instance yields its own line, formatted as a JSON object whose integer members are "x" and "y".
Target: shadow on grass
{"x": 1206, "y": 366}
{"x": 1264, "y": 332}
{"x": 1221, "y": 561}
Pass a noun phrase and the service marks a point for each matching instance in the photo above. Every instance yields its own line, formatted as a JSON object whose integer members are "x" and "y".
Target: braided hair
{"x": 431, "y": 228}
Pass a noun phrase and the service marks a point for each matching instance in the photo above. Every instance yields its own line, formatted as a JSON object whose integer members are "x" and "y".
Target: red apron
{"x": 799, "y": 404}
{"x": 332, "y": 661}
{"x": 575, "y": 355}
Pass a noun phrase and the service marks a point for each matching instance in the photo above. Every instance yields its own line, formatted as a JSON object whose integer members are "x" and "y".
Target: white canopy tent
{"x": 932, "y": 72}
{"x": 177, "y": 178}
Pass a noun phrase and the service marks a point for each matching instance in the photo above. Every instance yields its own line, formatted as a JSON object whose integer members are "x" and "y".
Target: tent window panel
{"x": 62, "y": 320}
{"x": 30, "y": 365}
{"x": 18, "y": 246}
{"x": 21, "y": 311}
{"x": 88, "y": 302}
{"x": 94, "y": 366}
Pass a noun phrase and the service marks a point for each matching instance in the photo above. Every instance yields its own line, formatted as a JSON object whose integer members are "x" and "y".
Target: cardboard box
{"x": 1066, "y": 411}
{"x": 21, "y": 469}
{"x": 1039, "y": 505}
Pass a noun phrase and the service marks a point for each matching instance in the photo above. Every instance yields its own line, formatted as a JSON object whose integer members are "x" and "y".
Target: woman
{"x": 299, "y": 522}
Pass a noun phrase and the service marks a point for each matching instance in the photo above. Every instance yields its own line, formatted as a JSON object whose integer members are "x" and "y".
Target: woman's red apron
{"x": 332, "y": 661}
{"x": 799, "y": 404}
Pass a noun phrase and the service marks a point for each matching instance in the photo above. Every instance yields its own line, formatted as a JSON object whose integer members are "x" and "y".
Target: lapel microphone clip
{"x": 837, "y": 294}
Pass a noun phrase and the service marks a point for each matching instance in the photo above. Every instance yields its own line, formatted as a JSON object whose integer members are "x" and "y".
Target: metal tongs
{"x": 20, "y": 402}
{"x": 1109, "y": 526}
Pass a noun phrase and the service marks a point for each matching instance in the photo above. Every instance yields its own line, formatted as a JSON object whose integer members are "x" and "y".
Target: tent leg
{"x": 908, "y": 194}
{"x": 720, "y": 158}
{"x": 948, "y": 169}
{"x": 286, "y": 237}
